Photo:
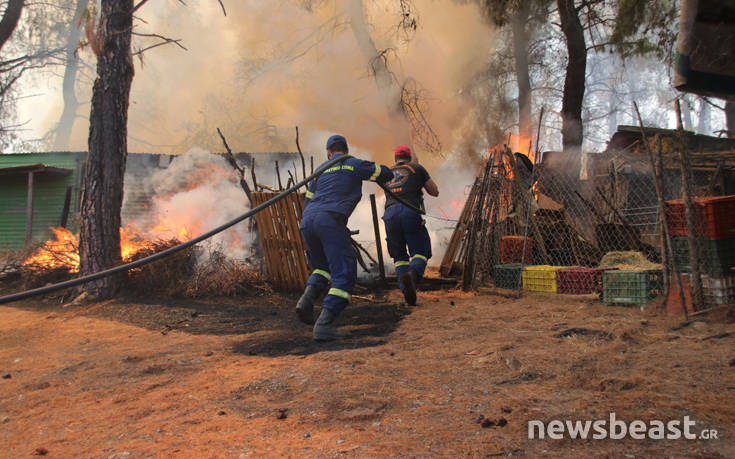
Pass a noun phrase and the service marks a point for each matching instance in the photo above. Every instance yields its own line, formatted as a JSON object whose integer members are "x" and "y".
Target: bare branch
{"x": 165, "y": 41}
{"x": 141, "y": 3}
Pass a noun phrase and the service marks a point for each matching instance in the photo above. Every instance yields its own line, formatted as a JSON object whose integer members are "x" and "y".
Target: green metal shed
{"x": 37, "y": 191}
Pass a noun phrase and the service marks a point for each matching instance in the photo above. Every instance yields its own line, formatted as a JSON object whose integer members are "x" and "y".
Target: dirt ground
{"x": 457, "y": 375}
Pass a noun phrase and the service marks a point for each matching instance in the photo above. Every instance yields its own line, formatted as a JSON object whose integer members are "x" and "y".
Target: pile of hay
{"x": 632, "y": 261}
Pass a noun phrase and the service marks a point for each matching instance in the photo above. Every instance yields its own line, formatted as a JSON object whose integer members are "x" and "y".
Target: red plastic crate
{"x": 579, "y": 281}
{"x": 714, "y": 217}
{"x": 718, "y": 217}
{"x": 511, "y": 248}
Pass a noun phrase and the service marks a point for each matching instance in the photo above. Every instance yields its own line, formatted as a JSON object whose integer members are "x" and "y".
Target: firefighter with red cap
{"x": 330, "y": 200}
{"x": 404, "y": 226}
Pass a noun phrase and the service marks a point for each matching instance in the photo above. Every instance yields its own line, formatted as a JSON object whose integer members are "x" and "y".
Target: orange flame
{"x": 62, "y": 250}
{"x": 59, "y": 252}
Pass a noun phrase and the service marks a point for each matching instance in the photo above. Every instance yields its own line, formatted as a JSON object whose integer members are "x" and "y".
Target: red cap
{"x": 403, "y": 151}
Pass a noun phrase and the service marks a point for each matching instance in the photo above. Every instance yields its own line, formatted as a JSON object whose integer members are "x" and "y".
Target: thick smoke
{"x": 269, "y": 66}
{"x": 197, "y": 192}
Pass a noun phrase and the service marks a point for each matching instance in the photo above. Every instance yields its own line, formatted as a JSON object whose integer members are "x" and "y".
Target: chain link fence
{"x": 548, "y": 215}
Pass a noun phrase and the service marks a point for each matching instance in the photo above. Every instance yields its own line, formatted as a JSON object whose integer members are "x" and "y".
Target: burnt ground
{"x": 458, "y": 375}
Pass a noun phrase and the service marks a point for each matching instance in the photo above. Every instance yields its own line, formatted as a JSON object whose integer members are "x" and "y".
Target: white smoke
{"x": 196, "y": 193}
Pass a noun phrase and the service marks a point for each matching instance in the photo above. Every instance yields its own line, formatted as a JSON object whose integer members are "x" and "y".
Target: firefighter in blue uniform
{"x": 404, "y": 225}
{"x": 330, "y": 200}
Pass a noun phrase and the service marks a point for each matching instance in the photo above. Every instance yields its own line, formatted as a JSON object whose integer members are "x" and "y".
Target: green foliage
{"x": 645, "y": 28}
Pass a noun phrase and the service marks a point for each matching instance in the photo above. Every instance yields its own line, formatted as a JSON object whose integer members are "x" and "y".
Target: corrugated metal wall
{"x": 48, "y": 195}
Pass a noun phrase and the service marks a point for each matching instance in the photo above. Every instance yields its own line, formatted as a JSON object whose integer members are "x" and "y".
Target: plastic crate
{"x": 631, "y": 287}
{"x": 714, "y": 217}
{"x": 507, "y": 276}
{"x": 579, "y": 281}
{"x": 511, "y": 249}
{"x": 718, "y": 217}
{"x": 540, "y": 278}
{"x": 718, "y": 290}
{"x": 717, "y": 257}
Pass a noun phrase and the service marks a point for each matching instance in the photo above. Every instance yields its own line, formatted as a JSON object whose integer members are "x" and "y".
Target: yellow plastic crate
{"x": 540, "y": 278}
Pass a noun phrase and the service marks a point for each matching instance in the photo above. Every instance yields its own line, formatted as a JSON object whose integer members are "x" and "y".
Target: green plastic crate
{"x": 717, "y": 257}
{"x": 631, "y": 287}
{"x": 507, "y": 276}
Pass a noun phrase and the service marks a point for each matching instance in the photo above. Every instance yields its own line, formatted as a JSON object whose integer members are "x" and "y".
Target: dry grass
{"x": 627, "y": 260}
{"x": 166, "y": 277}
{"x": 221, "y": 276}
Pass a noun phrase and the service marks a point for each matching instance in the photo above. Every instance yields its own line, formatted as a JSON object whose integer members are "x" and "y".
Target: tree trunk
{"x": 389, "y": 88}
{"x": 686, "y": 114}
{"x": 10, "y": 20}
{"x": 71, "y": 104}
{"x": 704, "y": 125}
{"x": 612, "y": 119}
{"x": 102, "y": 188}
{"x": 574, "y": 82}
{"x": 730, "y": 117}
{"x": 520, "y": 52}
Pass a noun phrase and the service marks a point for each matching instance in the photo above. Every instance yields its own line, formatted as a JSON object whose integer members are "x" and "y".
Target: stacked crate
{"x": 507, "y": 276}
{"x": 717, "y": 257}
{"x": 713, "y": 216}
{"x": 511, "y": 249}
{"x": 718, "y": 290}
{"x": 579, "y": 281}
{"x": 631, "y": 287}
{"x": 714, "y": 219}
{"x": 540, "y": 278}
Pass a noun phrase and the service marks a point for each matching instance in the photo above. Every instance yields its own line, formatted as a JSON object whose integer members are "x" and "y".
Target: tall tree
{"x": 521, "y": 16}
{"x": 574, "y": 81}
{"x": 10, "y": 19}
{"x": 102, "y": 189}
{"x": 384, "y": 78}
{"x": 518, "y": 21}
{"x": 71, "y": 103}
{"x": 730, "y": 118}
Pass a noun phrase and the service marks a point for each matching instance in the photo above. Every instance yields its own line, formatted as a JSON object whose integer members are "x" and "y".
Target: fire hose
{"x": 184, "y": 245}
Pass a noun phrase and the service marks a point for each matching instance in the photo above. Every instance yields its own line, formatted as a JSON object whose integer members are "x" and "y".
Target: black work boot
{"x": 324, "y": 330}
{"x": 409, "y": 279}
{"x": 305, "y": 305}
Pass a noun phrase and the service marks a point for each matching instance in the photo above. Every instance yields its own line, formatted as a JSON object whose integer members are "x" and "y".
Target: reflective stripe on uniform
{"x": 401, "y": 263}
{"x": 376, "y": 173}
{"x": 323, "y": 273}
{"x": 420, "y": 256}
{"x": 340, "y": 293}
{"x": 309, "y": 195}
{"x": 345, "y": 167}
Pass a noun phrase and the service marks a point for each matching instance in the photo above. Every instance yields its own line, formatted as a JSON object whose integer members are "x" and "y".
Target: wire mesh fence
{"x": 519, "y": 214}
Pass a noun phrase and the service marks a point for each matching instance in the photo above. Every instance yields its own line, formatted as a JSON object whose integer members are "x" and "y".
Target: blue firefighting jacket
{"x": 339, "y": 188}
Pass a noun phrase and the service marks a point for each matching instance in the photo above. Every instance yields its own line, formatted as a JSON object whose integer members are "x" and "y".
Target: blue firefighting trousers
{"x": 404, "y": 227}
{"x": 332, "y": 257}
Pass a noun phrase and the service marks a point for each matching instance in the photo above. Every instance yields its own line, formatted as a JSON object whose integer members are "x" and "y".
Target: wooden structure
{"x": 283, "y": 247}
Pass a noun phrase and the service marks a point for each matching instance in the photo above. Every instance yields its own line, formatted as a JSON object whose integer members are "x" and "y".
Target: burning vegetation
{"x": 190, "y": 272}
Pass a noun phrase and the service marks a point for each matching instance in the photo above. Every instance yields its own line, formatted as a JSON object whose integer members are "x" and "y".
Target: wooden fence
{"x": 283, "y": 247}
